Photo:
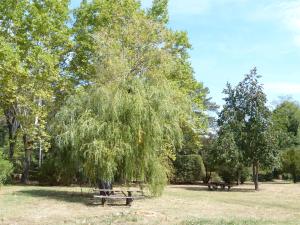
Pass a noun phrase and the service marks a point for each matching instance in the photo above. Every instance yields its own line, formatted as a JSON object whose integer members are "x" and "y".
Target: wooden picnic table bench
{"x": 222, "y": 185}
{"x": 105, "y": 194}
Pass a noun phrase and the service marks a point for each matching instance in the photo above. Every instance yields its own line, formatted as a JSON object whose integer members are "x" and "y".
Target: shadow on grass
{"x": 66, "y": 196}
{"x": 205, "y": 189}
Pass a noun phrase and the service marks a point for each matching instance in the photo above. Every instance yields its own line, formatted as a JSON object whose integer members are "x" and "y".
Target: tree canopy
{"x": 246, "y": 115}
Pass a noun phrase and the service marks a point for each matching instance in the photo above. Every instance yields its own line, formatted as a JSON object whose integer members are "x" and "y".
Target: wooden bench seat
{"x": 104, "y": 198}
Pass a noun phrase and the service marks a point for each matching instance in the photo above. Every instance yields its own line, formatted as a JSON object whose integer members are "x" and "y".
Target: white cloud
{"x": 291, "y": 14}
{"x": 283, "y": 88}
{"x": 286, "y": 13}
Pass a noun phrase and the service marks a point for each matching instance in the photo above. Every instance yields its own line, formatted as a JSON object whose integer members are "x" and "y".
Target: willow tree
{"x": 126, "y": 124}
{"x": 150, "y": 30}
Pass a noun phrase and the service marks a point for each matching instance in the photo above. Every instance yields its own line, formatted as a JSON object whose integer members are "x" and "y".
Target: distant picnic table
{"x": 216, "y": 185}
{"x": 116, "y": 194}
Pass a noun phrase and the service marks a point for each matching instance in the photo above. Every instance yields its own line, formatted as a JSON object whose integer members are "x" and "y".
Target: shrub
{"x": 230, "y": 175}
{"x": 215, "y": 177}
{"x": 57, "y": 171}
{"x": 6, "y": 169}
{"x": 227, "y": 174}
{"x": 287, "y": 176}
{"x": 265, "y": 176}
{"x": 188, "y": 168}
{"x": 245, "y": 175}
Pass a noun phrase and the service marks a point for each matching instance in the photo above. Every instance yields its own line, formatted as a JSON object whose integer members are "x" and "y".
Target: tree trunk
{"x": 12, "y": 125}
{"x": 27, "y": 160}
{"x": 255, "y": 175}
{"x": 238, "y": 181}
{"x": 40, "y": 155}
{"x": 12, "y": 144}
{"x": 207, "y": 175}
{"x": 294, "y": 175}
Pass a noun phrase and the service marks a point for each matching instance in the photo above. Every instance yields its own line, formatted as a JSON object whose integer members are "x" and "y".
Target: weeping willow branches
{"x": 125, "y": 124}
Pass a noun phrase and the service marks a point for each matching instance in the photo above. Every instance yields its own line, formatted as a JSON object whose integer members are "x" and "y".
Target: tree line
{"x": 107, "y": 92}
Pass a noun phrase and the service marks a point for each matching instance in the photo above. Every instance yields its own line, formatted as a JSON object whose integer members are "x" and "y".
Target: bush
{"x": 6, "y": 169}
{"x": 55, "y": 171}
{"x": 287, "y": 176}
{"x": 230, "y": 175}
{"x": 215, "y": 177}
{"x": 245, "y": 175}
{"x": 265, "y": 176}
{"x": 188, "y": 168}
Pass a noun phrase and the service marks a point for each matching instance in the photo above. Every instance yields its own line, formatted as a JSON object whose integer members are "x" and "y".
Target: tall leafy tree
{"x": 94, "y": 16}
{"x": 34, "y": 36}
{"x": 127, "y": 123}
{"x": 134, "y": 88}
{"x": 245, "y": 113}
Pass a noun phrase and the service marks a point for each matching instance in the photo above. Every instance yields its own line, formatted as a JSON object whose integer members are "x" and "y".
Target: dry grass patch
{"x": 184, "y": 205}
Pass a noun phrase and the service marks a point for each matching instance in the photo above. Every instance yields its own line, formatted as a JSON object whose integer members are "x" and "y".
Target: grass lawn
{"x": 276, "y": 203}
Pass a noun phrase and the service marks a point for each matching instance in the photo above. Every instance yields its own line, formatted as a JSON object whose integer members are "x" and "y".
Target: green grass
{"x": 183, "y": 205}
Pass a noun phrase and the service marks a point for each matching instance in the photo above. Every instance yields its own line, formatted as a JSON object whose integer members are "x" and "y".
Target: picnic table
{"x": 114, "y": 194}
{"x": 215, "y": 185}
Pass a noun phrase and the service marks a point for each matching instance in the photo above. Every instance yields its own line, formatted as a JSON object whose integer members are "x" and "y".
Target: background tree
{"x": 290, "y": 160}
{"x": 34, "y": 35}
{"x": 245, "y": 113}
{"x": 286, "y": 119}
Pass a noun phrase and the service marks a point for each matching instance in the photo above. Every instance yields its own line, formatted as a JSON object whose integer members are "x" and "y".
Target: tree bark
{"x": 238, "y": 181}
{"x": 12, "y": 125}
{"x": 27, "y": 159}
{"x": 255, "y": 175}
{"x": 207, "y": 175}
{"x": 294, "y": 175}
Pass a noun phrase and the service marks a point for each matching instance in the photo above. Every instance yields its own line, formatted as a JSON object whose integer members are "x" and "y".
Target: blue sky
{"x": 229, "y": 37}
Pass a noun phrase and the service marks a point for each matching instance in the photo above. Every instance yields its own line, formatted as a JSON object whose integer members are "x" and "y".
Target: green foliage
{"x": 286, "y": 119}
{"x": 227, "y": 174}
{"x": 159, "y": 10}
{"x": 290, "y": 160}
{"x": 34, "y": 42}
{"x": 188, "y": 168}
{"x": 5, "y": 169}
{"x": 57, "y": 170}
{"x": 112, "y": 130}
{"x": 226, "y": 150}
{"x": 265, "y": 176}
{"x": 246, "y": 115}
{"x": 127, "y": 121}
{"x": 244, "y": 174}
{"x": 134, "y": 88}
{"x": 231, "y": 175}
{"x": 215, "y": 177}
{"x": 208, "y": 152}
